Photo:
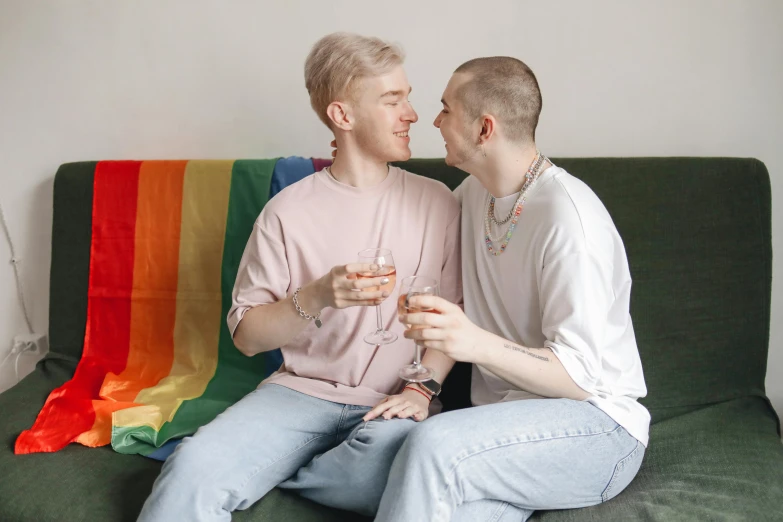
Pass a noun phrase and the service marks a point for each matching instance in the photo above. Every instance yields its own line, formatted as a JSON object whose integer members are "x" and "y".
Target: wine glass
{"x": 382, "y": 265}
{"x": 412, "y": 286}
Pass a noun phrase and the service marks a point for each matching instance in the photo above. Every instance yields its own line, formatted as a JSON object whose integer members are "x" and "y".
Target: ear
{"x": 340, "y": 115}
{"x": 488, "y": 128}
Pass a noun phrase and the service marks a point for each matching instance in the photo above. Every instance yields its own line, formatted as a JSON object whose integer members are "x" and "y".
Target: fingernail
{"x": 385, "y": 294}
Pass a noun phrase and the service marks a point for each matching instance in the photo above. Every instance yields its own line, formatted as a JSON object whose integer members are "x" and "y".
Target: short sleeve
{"x": 263, "y": 276}
{"x": 576, "y": 300}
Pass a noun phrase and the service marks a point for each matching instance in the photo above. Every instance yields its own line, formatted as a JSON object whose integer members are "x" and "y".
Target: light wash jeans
{"x": 503, "y": 461}
{"x": 277, "y": 437}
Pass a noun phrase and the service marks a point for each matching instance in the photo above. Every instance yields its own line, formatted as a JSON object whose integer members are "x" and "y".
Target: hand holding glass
{"x": 382, "y": 265}
{"x": 413, "y": 286}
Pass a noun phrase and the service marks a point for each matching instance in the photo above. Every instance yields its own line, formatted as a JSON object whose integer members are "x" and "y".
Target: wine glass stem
{"x": 379, "y": 318}
{"x": 417, "y": 360}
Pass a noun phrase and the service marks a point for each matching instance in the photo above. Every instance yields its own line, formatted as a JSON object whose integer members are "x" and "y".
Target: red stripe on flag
{"x": 69, "y": 410}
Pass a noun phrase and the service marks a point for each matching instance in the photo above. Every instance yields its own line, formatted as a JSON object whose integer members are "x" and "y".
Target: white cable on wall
{"x": 15, "y": 263}
{"x": 16, "y": 363}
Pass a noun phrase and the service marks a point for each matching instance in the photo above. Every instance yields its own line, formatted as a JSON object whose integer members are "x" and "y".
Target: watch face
{"x": 432, "y": 386}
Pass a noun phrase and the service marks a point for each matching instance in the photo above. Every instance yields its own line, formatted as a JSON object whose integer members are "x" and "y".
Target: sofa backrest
{"x": 698, "y": 236}
{"x": 697, "y": 232}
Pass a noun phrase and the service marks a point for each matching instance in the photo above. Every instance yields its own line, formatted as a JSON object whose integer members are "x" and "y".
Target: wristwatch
{"x": 432, "y": 387}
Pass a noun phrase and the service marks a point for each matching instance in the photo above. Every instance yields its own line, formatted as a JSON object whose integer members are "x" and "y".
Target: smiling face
{"x": 383, "y": 116}
{"x": 457, "y": 129}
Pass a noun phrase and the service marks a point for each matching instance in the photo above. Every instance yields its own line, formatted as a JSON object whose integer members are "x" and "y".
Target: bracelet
{"x": 304, "y": 314}
{"x": 409, "y": 387}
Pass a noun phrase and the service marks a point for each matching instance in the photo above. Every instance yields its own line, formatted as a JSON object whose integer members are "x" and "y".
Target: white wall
{"x": 84, "y": 79}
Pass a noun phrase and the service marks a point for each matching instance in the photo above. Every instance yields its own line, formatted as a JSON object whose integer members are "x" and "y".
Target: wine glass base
{"x": 381, "y": 337}
{"x": 415, "y": 373}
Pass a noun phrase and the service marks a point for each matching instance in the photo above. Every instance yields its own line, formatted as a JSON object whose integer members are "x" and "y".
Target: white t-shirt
{"x": 563, "y": 283}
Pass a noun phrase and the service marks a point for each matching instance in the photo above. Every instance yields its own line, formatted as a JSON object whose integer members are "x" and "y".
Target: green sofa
{"x": 697, "y": 233}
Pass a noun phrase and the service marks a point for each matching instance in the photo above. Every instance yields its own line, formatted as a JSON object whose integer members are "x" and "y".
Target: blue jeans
{"x": 277, "y": 437}
{"x": 503, "y": 461}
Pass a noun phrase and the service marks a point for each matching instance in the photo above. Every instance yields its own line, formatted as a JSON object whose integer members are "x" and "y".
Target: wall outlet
{"x": 34, "y": 344}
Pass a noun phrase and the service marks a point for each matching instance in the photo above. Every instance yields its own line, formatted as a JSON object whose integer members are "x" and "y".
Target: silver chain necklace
{"x": 537, "y": 162}
{"x": 530, "y": 178}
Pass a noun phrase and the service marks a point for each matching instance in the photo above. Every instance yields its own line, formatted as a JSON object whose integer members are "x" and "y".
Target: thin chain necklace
{"x": 533, "y": 166}
{"x": 531, "y": 176}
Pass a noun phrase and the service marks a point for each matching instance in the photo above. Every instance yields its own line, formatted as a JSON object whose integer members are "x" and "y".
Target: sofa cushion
{"x": 97, "y": 484}
{"x": 721, "y": 462}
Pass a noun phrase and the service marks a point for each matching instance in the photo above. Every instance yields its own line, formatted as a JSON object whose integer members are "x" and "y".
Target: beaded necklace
{"x": 531, "y": 176}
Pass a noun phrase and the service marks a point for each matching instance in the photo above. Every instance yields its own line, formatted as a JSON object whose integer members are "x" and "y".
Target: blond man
{"x": 297, "y": 288}
{"x": 556, "y": 371}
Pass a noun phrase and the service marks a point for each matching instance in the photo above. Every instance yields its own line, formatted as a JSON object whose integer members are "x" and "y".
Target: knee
{"x": 371, "y": 452}
{"x": 382, "y": 437}
{"x": 426, "y": 439}
{"x": 373, "y": 449}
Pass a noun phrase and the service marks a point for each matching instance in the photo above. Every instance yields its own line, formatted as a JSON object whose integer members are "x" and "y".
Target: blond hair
{"x": 338, "y": 60}
{"x": 505, "y": 88}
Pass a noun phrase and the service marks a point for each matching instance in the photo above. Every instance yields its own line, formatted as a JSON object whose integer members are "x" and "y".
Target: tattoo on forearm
{"x": 526, "y": 352}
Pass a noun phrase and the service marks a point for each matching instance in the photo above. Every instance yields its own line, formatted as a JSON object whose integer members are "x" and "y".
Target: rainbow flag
{"x": 158, "y": 360}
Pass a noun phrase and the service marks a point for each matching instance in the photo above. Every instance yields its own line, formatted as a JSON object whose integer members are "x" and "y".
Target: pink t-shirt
{"x": 318, "y": 223}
